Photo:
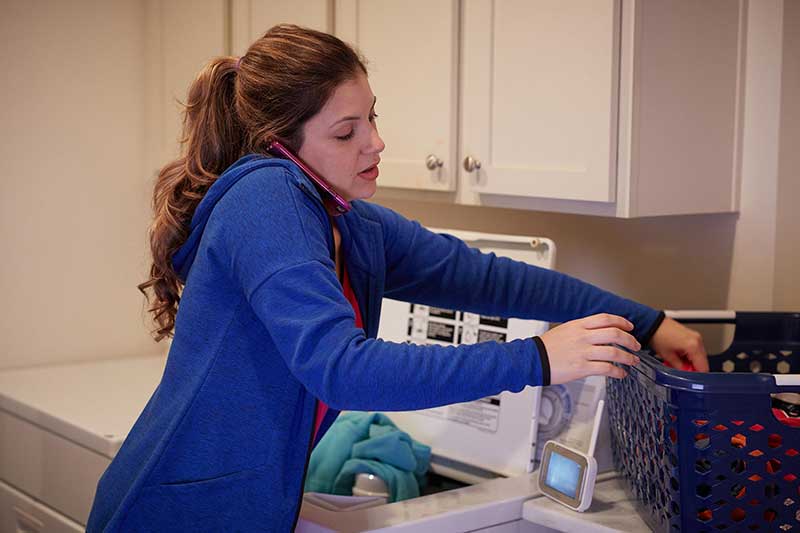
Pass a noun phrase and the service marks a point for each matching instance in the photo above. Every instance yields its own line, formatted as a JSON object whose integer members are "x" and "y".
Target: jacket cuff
{"x": 647, "y": 337}
{"x": 544, "y": 361}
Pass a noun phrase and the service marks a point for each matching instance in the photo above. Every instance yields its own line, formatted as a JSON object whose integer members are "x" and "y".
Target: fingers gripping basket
{"x": 706, "y": 452}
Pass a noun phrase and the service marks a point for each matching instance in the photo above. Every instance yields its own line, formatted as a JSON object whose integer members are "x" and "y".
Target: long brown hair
{"x": 234, "y": 107}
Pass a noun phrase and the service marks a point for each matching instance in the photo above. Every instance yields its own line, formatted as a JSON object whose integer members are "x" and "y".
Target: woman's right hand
{"x": 584, "y": 347}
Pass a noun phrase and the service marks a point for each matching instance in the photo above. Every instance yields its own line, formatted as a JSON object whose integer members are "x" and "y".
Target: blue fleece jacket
{"x": 264, "y": 329}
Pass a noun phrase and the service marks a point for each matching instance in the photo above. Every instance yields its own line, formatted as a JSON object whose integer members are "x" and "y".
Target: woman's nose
{"x": 376, "y": 144}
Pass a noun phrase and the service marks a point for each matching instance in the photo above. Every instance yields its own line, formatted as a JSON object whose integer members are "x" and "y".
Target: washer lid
{"x": 93, "y": 403}
{"x": 495, "y": 434}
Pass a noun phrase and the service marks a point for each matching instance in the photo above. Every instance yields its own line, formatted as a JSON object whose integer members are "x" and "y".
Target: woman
{"x": 276, "y": 326}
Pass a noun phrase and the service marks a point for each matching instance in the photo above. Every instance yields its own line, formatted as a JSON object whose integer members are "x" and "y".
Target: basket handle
{"x": 726, "y": 317}
{"x": 703, "y": 317}
{"x": 787, "y": 380}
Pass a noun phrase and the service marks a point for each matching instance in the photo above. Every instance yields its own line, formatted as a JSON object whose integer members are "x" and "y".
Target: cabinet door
{"x": 182, "y": 36}
{"x": 250, "y": 19}
{"x": 412, "y": 50}
{"x": 539, "y": 89}
{"x": 22, "y": 514}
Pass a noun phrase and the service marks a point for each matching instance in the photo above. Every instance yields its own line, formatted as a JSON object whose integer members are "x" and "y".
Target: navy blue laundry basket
{"x": 704, "y": 452}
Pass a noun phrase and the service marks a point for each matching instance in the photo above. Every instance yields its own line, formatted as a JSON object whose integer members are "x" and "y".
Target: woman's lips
{"x": 369, "y": 174}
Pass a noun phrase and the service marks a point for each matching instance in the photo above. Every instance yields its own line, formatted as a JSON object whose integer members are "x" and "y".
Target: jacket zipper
{"x": 311, "y": 434}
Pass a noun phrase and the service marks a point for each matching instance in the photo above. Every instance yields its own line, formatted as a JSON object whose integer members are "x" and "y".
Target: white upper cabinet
{"x": 612, "y": 107}
{"x": 250, "y": 19}
{"x": 412, "y": 50}
{"x": 624, "y": 108}
{"x": 182, "y": 36}
{"x": 540, "y": 96}
{"x": 609, "y": 107}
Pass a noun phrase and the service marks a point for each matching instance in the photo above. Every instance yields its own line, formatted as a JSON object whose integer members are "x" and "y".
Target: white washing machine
{"x": 488, "y": 446}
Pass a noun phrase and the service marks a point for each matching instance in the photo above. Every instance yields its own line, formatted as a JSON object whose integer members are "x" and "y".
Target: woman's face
{"x": 341, "y": 142}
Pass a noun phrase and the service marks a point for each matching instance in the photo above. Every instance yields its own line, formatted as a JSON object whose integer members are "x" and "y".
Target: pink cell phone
{"x": 335, "y": 204}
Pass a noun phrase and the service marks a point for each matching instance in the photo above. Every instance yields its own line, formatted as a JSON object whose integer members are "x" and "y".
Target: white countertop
{"x": 612, "y": 511}
{"x": 468, "y": 508}
{"x": 484, "y": 505}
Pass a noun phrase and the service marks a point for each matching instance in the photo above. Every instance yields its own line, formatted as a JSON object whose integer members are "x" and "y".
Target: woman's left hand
{"x": 677, "y": 344}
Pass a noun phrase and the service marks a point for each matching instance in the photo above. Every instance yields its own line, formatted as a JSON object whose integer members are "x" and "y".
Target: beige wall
{"x": 787, "y": 250}
{"x": 752, "y": 278}
{"x": 73, "y": 200}
{"x": 672, "y": 262}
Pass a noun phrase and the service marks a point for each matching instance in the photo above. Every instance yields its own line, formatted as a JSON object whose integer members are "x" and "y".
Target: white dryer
{"x": 60, "y": 426}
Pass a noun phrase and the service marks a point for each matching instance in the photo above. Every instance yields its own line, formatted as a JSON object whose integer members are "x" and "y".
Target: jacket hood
{"x": 183, "y": 259}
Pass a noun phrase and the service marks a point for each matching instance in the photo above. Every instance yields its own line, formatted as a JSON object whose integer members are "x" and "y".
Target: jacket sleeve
{"x": 276, "y": 246}
{"x": 441, "y": 270}
{"x": 315, "y": 332}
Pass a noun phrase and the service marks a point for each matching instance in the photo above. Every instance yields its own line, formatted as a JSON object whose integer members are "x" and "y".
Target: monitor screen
{"x": 563, "y": 475}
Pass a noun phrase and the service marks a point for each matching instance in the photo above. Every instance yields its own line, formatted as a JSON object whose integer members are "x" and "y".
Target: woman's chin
{"x": 364, "y": 192}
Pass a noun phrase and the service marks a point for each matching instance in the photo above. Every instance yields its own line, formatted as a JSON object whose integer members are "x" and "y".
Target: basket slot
{"x": 758, "y": 327}
{"x": 763, "y": 342}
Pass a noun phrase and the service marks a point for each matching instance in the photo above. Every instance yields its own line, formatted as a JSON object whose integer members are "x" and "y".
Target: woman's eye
{"x": 349, "y": 135}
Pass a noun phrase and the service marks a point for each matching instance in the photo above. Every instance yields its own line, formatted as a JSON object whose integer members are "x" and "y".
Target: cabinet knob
{"x": 471, "y": 164}
{"x": 433, "y": 162}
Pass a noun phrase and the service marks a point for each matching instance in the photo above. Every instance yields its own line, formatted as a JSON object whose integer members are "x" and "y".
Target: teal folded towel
{"x": 367, "y": 443}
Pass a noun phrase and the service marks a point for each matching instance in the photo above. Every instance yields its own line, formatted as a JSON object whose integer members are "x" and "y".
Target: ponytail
{"x": 212, "y": 141}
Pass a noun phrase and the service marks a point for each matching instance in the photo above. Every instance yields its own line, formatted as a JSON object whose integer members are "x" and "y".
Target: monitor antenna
{"x": 598, "y": 416}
